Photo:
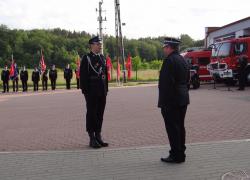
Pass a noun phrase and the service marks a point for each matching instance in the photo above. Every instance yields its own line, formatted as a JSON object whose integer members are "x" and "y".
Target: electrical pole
{"x": 100, "y": 20}
{"x": 119, "y": 39}
{"x": 117, "y": 42}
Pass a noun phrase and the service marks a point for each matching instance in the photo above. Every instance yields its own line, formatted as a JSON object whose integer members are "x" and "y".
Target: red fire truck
{"x": 198, "y": 59}
{"x": 225, "y": 57}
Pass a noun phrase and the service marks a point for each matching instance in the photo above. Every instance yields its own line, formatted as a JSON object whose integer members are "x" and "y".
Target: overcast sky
{"x": 142, "y": 17}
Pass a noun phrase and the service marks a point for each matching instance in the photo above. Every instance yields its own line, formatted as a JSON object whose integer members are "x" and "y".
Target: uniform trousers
{"x": 242, "y": 79}
{"x": 78, "y": 83}
{"x": 95, "y": 110}
{"x": 67, "y": 83}
{"x": 15, "y": 85}
{"x": 174, "y": 123}
{"x": 45, "y": 84}
{"x": 35, "y": 84}
{"x": 5, "y": 86}
{"x": 24, "y": 85}
{"x": 53, "y": 84}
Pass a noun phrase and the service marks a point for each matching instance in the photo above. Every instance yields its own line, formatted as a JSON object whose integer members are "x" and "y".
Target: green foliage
{"x": 144, "y": 65}
{"x": 136, "y": 63}
{"x": 199, "y": 43}
{"x": 60, "y": 47}
{"x": 155, "y": 64}
{"x": 187, "y": 41}
{"x": 114, "y": 63}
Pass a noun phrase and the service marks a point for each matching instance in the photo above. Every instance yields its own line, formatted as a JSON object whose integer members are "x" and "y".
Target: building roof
{"x": 213, "y": 29}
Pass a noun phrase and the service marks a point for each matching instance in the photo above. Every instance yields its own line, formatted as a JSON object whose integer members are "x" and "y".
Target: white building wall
{"x": 239, "y": 29}
{"x": 239, "y": 33}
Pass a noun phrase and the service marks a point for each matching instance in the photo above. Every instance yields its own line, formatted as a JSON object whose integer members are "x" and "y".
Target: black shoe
{"x": 171, "y": 159}
{"x": 94, "y": 144}
{"x": 100, "y": 141}
{"x": 241, "y": 89}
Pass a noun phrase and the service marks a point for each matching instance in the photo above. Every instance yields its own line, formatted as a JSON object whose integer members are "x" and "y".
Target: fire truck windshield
{"x": 221, "y": 50}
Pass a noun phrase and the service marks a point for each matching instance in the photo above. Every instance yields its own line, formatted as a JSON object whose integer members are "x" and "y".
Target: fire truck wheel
{"x": 248, "y": 76}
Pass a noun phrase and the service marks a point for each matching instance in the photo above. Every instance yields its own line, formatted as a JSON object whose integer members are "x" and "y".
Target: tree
{"x": 60, "y": 46}
{"x": 199, "y": 43}
{"x": 136, "y": 64}
{"x": 186, "y": 42}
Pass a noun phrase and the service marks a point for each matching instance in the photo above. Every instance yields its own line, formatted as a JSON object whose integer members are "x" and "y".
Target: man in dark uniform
{"x": 35, "y": 78}
{"x": 68, "y": 74}
{"x": 53, "y": 77}
{"x": 5, "y": 76}
{"x": 45, "y": 80}
{"x": 24, "y": 78}
{"x": 94, "y": 86}
{"x": 242, "y": 72}
{"x": 174, "y": 98}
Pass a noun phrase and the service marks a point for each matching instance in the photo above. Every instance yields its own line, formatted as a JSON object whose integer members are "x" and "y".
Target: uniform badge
{"x": 96, "y": 65}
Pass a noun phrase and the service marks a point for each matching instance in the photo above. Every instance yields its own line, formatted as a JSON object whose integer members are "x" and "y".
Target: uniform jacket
{"x": 243, "y": 64}
{"x": 53, "y": 75}
{"x": 68, "y": 74}
{"x": 90, "y": 81}
{"x": 5, "y": 75}
{"x": 173, "y": 82}
{"x": 24, "y": 75}
{"x": 35, "y": 76}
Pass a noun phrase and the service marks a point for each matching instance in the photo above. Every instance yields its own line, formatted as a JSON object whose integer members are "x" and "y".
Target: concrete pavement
{"x": 205, "y": 161}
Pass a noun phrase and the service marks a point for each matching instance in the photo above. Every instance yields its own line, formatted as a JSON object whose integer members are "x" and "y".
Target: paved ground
{"x": 134, "y": 127}
{"x": 208, "y": 161}
{"x": 55, "y": 121}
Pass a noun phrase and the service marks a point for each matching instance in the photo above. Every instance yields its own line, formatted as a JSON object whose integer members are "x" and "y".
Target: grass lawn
{"x": 143, "y": 76}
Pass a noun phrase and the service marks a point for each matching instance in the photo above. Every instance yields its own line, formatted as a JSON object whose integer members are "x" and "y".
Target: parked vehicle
{"x": 225, "y": 60}
{"x": 198, "y": 59}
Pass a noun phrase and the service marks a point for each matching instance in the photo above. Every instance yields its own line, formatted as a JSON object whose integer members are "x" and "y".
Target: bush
{"x": 155, "y": 64}
{"x": 136, "y": 63}
{"x": 144, "y": 65}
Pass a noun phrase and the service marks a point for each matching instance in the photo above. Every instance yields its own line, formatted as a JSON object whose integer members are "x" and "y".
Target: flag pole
{"x": 12, "y": 58}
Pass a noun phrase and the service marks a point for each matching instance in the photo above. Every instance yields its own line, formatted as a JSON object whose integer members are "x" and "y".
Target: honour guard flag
{"x": 129, "y": 66}
{"x": 78, "y": 62}
{"x": 42, "y": 63}
{"x": 109, "y": 67}
{"x": 13, "y": 69}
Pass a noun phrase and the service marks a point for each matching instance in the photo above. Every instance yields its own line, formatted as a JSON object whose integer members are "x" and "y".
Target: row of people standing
{"x": 43, "y": 76}
{"x": 36, "y": 77}
{"x": 6, "y": 76}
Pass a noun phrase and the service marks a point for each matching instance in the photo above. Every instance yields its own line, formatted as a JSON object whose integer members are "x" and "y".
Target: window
{"x": 215, "y": 49}
{"x": 224, "y": 50}
{"x": 240, "y": 48}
